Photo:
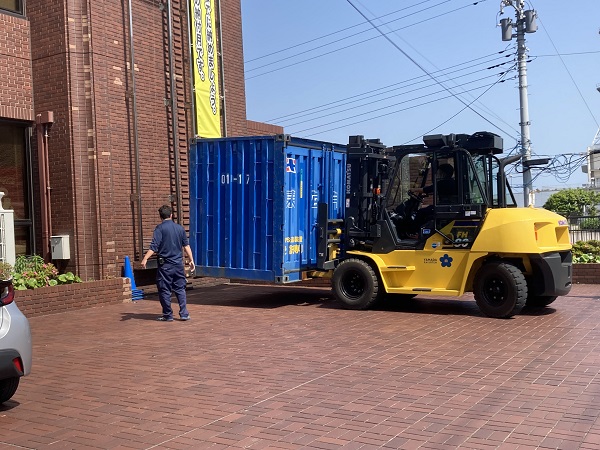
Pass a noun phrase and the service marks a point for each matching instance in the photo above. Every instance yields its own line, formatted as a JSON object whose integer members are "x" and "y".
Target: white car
{"x": 15, "y": 343}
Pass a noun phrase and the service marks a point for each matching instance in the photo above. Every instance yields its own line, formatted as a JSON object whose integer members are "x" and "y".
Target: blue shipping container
{"x": 254, "y": 204}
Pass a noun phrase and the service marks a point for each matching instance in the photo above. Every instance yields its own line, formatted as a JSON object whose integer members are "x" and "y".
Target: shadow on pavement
{"x": 537, "y": 311}
{"x": 8, "y": 405}
{"x": 258, "y": 296}
{"x": 139, "y": 316}
{"x": 270, "y": 296}
{"x": 419, "y": 305}
{"x": 437, "y": 306}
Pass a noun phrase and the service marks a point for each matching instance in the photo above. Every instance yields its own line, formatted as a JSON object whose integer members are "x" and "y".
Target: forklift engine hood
{"x": 522, "y": 230}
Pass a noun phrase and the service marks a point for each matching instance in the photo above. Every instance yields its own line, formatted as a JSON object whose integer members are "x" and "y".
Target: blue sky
{"x": 319, "y": 69}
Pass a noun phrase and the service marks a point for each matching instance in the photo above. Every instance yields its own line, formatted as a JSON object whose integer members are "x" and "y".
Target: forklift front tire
{"x": 356, "y": 284}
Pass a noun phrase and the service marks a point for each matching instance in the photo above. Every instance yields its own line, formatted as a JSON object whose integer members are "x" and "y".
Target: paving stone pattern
{"x": 264, "y": 367}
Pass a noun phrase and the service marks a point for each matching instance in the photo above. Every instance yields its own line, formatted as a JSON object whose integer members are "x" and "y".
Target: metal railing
{"x": 584, "y": 228}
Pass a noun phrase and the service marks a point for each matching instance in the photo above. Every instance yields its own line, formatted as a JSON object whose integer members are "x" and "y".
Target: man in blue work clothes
{"x": 167, "y": 242}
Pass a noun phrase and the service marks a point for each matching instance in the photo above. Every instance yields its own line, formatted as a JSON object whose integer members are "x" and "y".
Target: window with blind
{"x": 15, "y": 6}
{"x": 15, "y": 182}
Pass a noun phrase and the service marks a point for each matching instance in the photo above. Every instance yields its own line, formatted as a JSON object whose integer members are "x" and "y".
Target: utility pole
{"x": 525, "y": 23}
{"x": 593, "y": 162}
{"x": 592, "y": 156}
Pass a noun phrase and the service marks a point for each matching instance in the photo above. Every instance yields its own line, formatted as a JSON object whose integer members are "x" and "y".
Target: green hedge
{"x": 586, "y": 252}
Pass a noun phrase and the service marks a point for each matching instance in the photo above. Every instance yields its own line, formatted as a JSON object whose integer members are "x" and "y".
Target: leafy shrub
{"x": 32, "y": 272}
{"x": 573, "y": 202}
{"x": 586, "y": 252}
{"x": 591, "y": 223}
{"x": 5, "y": 271}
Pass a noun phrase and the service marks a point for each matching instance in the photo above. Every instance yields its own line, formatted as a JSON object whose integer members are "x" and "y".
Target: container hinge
{"x": 283, "y": 138}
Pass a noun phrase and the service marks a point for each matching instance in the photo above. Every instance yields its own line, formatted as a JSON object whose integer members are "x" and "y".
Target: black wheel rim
{"x": 353, "y": 285}
{"x": 495, "y": 291}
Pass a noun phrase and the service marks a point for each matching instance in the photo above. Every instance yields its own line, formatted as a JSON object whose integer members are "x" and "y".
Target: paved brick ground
{"x": 286, "y": 368}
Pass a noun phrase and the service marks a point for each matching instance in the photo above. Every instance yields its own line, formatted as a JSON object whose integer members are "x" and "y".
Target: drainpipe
{"x": 222, "y": 70}
{"x": 174, "y": 113}
{"x": 43, "y": 123}
{"x": 137, "y": 197}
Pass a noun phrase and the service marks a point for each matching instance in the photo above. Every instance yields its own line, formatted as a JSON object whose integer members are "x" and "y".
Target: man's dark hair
{"x": 165, "y": 212}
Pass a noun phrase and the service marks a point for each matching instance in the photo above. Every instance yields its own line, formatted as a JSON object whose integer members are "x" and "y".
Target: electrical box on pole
{"x": 530, "y": 23}
{"x": 506, "y": 25}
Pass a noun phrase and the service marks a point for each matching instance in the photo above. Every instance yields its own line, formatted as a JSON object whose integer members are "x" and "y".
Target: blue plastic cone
{"x": 136, "y": 294}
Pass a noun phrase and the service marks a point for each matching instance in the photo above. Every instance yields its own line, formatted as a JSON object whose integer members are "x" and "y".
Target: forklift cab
{"x": 490, "y": 170}
{"x": 398, "y": 197}
{"x": 445, "y": 180}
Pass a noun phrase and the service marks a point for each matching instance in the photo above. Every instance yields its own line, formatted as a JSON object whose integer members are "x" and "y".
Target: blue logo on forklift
{"x": 446, "y": 260}
{"x": 290, "y": 165}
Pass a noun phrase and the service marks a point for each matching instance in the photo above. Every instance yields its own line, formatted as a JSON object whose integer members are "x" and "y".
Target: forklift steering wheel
{"x": 416, "y": 197}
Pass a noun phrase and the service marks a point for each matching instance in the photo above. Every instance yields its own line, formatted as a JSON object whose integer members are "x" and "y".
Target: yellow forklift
{"x": 439, "y": 218}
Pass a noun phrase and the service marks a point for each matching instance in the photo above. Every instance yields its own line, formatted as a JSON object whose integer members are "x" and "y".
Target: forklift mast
{"x": 368, "y": 169}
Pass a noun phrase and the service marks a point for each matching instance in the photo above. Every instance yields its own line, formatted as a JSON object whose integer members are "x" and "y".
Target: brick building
{"x": 96, "y": 117}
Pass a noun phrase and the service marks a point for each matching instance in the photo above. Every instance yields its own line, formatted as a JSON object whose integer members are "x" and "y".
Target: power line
{"x": 451, "y": 81}
{"x": 561, "y": 167}
{"x": 348, "y": 46}
{"x": 501, "y": 80}
{"x": 567, "y": 54}
{"x": 351, "y": 27}
{"x": 568, "y": 72}
{"x": 394, "y": 86}
{"x": 419, "y": 65}
{"x": 495, "y": 75}
{"x": 389, "y": 113}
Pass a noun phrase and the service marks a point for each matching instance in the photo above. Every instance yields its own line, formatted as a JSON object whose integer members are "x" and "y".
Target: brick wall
{"x": 16, "y": 86}
{"x": 586, "y": 273}
{"x": 81, "y": 54}
{"x": 58, "y": 299}
{"x": 262, "y": 129}
{"x": 233, "y": 70}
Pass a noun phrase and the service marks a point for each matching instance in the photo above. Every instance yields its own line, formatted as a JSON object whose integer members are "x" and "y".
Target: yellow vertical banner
{"x": 206, "y": 69}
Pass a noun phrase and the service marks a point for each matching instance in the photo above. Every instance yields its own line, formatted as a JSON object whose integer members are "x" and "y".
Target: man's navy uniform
{"x": 167, "y": 242}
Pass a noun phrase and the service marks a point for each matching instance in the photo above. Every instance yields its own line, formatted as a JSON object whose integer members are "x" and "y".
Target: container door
{"x": 232, "y": 190}
{"x": 313, "y": 173}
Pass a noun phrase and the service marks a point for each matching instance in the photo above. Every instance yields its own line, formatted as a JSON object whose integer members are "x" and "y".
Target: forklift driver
{"x": 447, "y": 194}
{"x": 446, "y": 186}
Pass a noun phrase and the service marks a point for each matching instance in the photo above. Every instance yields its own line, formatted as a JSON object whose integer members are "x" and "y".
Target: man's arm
{"x": 147, "y": 256}
{"x": 188, "y": 252}
{"x": 422, "y": 190}
{"x": 156, "y": 239}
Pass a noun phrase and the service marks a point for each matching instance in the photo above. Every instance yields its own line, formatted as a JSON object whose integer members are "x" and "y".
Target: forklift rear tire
{"x": 356, "y": 284}
{"x": 500, "y": 289}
